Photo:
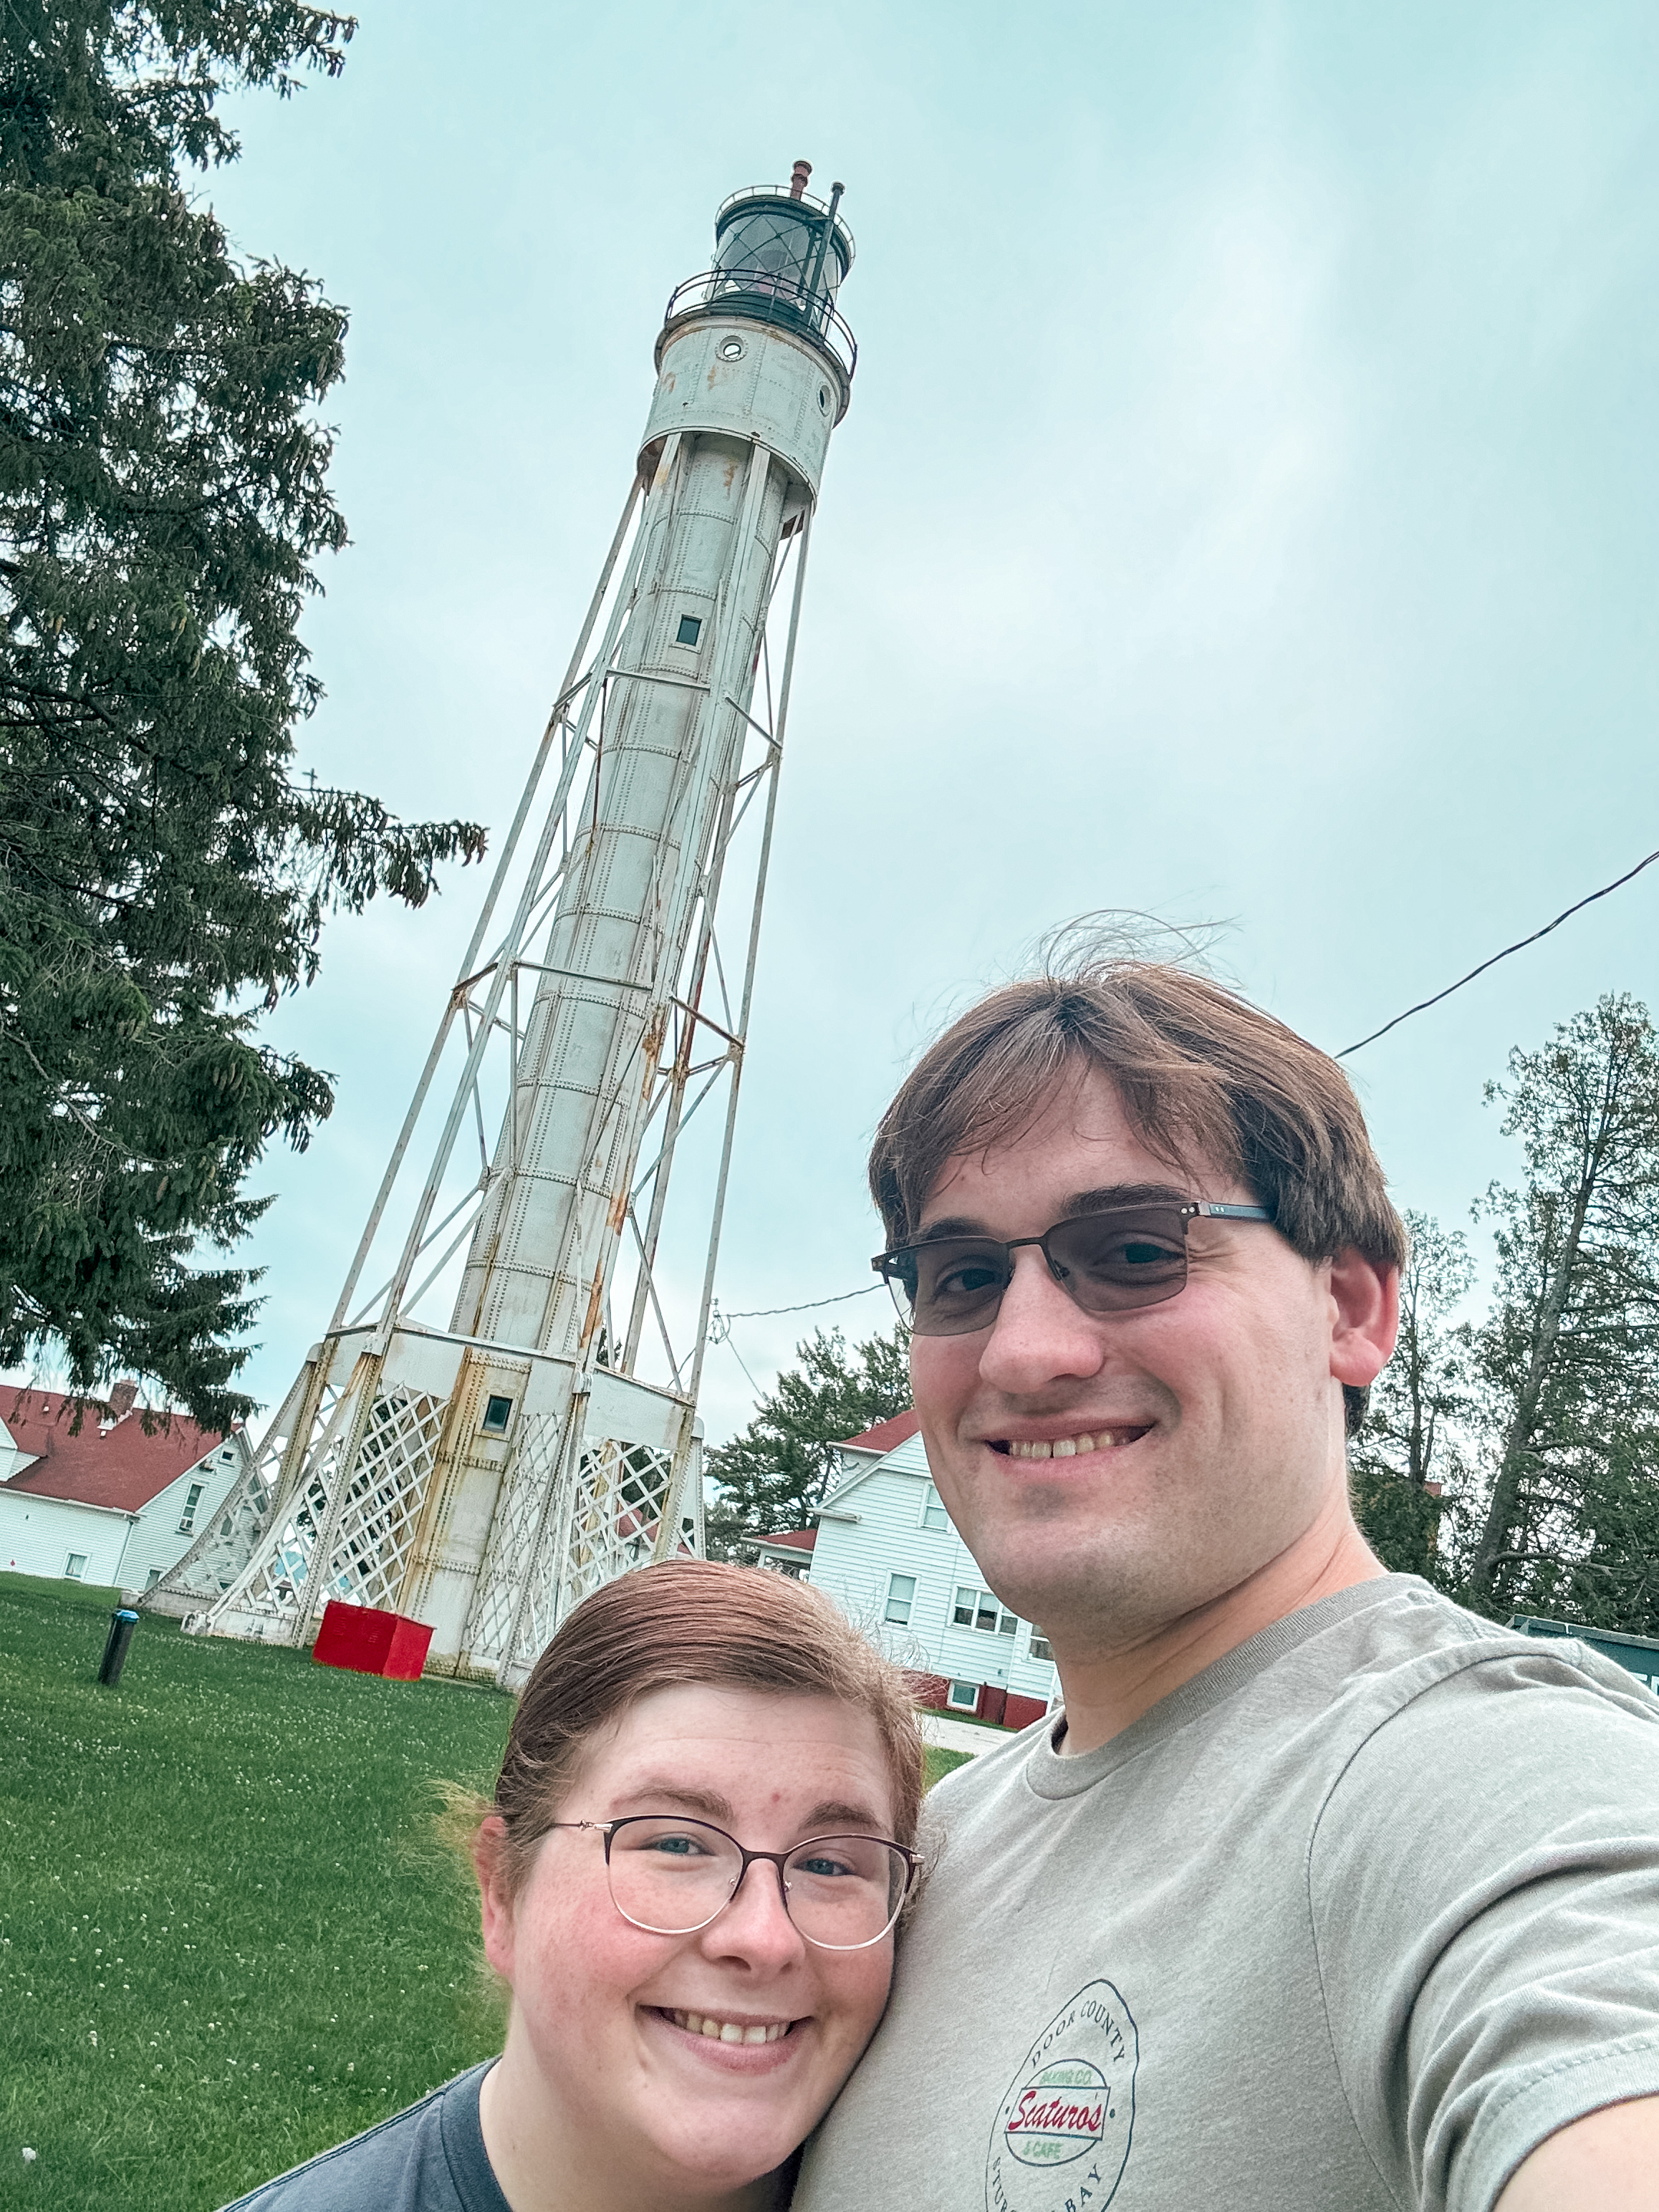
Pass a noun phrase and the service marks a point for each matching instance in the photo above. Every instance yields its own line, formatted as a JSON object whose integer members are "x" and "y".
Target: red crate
{"x": 370, "y": 1642}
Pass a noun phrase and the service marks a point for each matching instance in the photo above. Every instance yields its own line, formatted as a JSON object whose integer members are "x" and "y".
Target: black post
{"x": 122, "y": 1622}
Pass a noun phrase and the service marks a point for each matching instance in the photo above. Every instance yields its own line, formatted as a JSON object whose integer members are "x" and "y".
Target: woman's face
{"x": 600, "y": 2042}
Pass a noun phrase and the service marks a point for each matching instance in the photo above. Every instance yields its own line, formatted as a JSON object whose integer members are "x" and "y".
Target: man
{"x": 1322, "y": 1894}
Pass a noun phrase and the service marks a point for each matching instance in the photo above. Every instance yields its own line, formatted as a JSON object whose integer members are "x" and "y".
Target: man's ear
{"x": 494, "y": 1903}
{"x": 1364, "y": 1316}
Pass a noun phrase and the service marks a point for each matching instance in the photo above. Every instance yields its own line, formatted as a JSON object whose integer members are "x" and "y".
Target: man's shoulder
{"x": 1415, "y": 1659}
{"x": 427, "y": 2158}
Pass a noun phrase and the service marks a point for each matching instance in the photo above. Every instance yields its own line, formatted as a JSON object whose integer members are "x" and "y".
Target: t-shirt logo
{"x": 1061, "y": 2139}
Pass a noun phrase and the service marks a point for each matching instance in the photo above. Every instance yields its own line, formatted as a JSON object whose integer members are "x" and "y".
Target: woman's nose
{"x": 756, "y": 1925}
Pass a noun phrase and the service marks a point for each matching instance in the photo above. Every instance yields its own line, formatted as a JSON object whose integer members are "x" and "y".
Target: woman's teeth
{"x": 1064, "y": 1447}
{"x": 728, "y": 2031}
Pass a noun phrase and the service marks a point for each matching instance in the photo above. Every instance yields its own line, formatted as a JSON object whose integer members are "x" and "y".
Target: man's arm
{"x": 1609, "y": 2162}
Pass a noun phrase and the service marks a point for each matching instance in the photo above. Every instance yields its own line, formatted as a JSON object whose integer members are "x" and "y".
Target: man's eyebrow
{"x": 1124, "y": 1193}
{"x": 951, "y": 1225}
{"x": 1100, "y": 1200}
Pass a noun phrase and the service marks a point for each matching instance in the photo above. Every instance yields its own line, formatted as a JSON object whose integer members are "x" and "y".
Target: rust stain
{"x": 617, "y": 1210}
{"x": 731, "y": 473}
{"x": 651, "y": 1045}
{"x": 595, "y": 1307}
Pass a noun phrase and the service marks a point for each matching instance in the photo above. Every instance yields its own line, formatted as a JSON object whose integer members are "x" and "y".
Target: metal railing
{"x": 762, "y": 295}
{"x": 780, "y": 194}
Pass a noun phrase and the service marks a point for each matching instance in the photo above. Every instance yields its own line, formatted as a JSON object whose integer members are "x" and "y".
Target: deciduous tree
{"x": 1409, "y": 1455}
{"x": 771, "y": 1476}
{"x": 1568, "y": 1354}
{"x": 164, "y": 872}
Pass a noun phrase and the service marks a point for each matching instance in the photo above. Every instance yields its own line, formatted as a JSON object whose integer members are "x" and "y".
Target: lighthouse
{"x": 482, "y": 1462}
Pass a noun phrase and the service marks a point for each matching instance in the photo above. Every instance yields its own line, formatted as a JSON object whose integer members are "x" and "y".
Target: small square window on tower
{"x": 498, "y": 1412}
{"x": 690, "y": 629}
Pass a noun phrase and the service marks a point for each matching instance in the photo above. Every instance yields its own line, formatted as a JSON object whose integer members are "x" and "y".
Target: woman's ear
{"x": 489, "y": 1858}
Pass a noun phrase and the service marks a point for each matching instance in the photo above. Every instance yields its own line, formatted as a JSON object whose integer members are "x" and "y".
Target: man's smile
{"x": 1072, "y": 1447}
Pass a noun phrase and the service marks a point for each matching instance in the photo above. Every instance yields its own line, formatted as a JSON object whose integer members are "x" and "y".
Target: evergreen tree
{"x": 1567, "y": 1357}
{"x": 1406, "y": 1459}
{"x": 771, "y": 1476}
{"x": 164, "y": 873}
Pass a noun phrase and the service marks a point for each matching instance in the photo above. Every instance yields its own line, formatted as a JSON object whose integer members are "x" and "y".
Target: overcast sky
{"x": 1247, "y": 512}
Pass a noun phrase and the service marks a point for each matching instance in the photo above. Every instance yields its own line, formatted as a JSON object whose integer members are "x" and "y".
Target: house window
{"x": 933, "y": 1515}
{"x": 690, "y": 629}
{"x": 498, "y": 1412}
{"x": 901, "y": 1595}
{"x": 228, "y": 1453}
{"x": 978, "y": 1608}
{"x": 152, "y": 1578}
{"x": 1041, "y": 1647}
{"x": 193, "y": 1499}
{"x": 76, "y": 1565}
{"x": 963, "y": 1696}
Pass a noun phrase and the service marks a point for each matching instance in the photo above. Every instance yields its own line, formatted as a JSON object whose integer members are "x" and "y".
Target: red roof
{"x": 110, "y": 1462}
{"x": 795, "y": 1540}
{"x": 885, "y": 1434}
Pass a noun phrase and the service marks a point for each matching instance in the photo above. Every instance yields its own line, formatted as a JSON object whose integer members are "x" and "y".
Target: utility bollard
{"x": 122, "y": 1622}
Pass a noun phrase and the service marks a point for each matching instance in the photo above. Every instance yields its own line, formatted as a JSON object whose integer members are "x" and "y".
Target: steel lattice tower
{"x": 485, "y": 1476}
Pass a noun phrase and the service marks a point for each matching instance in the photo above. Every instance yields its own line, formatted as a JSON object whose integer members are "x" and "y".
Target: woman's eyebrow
{"x": 834, "y": 1816}
{"x": 707, "y": 1802}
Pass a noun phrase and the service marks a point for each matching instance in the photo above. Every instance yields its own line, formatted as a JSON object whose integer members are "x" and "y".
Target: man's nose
{"x": 755, "y": 1926}
{"x": 1040, "y": 1333}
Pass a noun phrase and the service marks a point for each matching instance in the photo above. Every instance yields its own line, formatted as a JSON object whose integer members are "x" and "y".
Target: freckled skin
{"x": 599, "y": 2104}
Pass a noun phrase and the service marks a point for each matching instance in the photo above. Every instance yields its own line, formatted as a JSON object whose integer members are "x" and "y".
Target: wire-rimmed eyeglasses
{"x": 671, "y": 1877}
{"x": 1116, "y": 1260}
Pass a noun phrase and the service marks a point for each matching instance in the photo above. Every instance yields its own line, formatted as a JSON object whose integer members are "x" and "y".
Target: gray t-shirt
{"x": 429, "y": 2158}
{"x": 1354, "y": 1919}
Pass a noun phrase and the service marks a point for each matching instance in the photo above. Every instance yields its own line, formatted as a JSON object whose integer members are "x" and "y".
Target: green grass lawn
{"x": 227, "y": 1938}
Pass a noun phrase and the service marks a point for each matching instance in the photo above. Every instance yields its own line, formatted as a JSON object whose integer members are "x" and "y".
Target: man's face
{"x": 1206, "y": 1432}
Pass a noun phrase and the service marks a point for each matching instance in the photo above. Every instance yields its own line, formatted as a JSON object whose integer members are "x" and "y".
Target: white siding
{"x": 37, "y": 1535}
{"x": 157, "y": 1542}
{"x": 856, "y": 1559}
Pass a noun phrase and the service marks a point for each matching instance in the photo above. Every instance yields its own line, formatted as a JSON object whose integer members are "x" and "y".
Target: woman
{"x": 701, "y": 1838}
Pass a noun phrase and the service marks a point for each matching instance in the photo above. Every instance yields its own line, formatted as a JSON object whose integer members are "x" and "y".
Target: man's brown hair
{"x": 1205, "y": 1078}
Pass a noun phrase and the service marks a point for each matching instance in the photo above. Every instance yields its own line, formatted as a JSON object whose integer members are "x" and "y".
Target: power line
{"x": 766, "y": 1313}
{"x": 770, "y": 1313}
{"x": 1520, "y": 945}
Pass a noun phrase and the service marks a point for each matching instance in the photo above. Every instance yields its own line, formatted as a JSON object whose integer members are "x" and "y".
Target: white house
{"x": 105, "y": 1502}
{"x": 888, "y": 1554}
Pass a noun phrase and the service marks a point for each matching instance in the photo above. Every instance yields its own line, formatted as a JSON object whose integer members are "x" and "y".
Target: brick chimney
{"x": 121, "y": 1395}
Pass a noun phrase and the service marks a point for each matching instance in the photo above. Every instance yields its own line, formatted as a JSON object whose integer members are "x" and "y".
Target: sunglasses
{"x": 1111, "y": 1262}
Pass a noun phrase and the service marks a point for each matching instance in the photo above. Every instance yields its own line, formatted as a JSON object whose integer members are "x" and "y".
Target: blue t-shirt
{"x": 430, "y": 2158}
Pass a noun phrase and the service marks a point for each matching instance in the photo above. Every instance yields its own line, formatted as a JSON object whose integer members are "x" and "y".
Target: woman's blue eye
{"x": 823, "y": 1866}
{"x": 674, "y": 1846}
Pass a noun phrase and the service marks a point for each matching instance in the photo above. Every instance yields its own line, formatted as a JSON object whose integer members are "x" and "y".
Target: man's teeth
{"x": 729, "y": 2031}
{"x": 1065, "y": 1447}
